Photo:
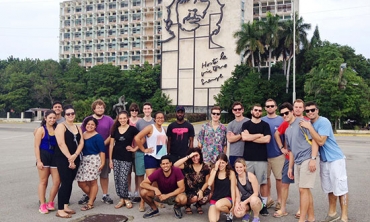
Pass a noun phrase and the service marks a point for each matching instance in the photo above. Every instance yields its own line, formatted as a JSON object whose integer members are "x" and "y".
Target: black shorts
{"x": 47, "y": 158}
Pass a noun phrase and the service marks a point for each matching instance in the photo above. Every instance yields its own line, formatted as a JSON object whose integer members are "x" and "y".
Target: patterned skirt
{"x": 89, "y": 168}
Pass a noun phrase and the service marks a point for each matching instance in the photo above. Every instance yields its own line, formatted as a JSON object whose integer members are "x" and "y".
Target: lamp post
{"x": 294, "y": 92}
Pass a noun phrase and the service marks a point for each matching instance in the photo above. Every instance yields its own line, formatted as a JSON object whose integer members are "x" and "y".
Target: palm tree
{"x": 248, "y": 40}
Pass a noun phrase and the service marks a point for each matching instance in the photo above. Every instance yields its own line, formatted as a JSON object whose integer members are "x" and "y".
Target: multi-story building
{"x": 120, "y": 32}
{"x": 283, "y": 8}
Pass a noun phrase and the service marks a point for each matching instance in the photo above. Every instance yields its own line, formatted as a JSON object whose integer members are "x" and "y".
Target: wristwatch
{"x": 313, "y": 158}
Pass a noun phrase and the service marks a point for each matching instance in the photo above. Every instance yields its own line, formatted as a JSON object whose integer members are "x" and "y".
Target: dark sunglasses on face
{"x": 270, "y": 106}
{"x": 134, "y": 110}
{"x": 239, "y": 109}
{"x": 216, "y": 114}
{"x": 258, "y": 110}
{"x": 310, "y": 110}
{"x": 68, "y": 114}
{"x": 285, "y": 113}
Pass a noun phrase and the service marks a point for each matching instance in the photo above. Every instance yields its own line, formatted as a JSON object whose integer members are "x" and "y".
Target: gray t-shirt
{"x": 297, "y": 142}
{"x": 141, "y": 124}
{"x": 62, "y": 119}
{"x": 237, "y": 148}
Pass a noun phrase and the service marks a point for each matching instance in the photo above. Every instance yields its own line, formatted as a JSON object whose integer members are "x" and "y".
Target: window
{"x": 100, "y": 20}
{"x": 112, "y": 5}
{"x": 124, "y": 3}
{"x": 100, "y": 6}
{"x": 136, "y": 2}
{"x": 89, "y": 8}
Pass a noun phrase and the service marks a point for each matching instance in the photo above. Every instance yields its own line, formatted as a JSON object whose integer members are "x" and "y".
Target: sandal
{"x": 64, "y": 216}
{"x": 297, "y": 215}
{"x": 128, "y": 204}
{"x": 270, "y": 203}
{"x": 142, "y": 208}
{"x": 277, "y": 206}
{"x": 119, "y": 204}
{"x": 70, "y": 211}
{"x": 188, "y": 210}
{"x": 279, "y": 214}
{"x": 199, "y": 208}
{"x": 87, "y": 207}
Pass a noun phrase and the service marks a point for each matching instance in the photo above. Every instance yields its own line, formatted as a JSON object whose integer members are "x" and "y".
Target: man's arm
{"x": 264, "y": 139}
{"x": 320, "y": 140}
{"x": 168, "y": 144}
{"x": 232, "y": 138}
{"x": 246, "y": 136}
{"x": 147, "y": 184}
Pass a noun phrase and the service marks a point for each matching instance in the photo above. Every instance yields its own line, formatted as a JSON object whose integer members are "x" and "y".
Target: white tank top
{"x": 157, "y": 141}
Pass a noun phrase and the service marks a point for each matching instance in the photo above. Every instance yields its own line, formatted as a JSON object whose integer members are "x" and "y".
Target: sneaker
{"x": 229, "y": 217}
{"x": 135, "y": 198}
{"x": 246, "y": 217}
{"x": 151, "y": 213}
{"x": 178, "y": 213}
{"x": 264, "y": 211}
{"x": 50, "y": 206}
{"x": 256, "y": 219}
{"x": 330, "y": 219}
{"x": 106, "y": 199}
{"x": 43, "y": 209}
{"x": 84, "y": 199}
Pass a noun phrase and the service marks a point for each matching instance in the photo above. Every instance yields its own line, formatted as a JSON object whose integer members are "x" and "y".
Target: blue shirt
{"x": 94, "y": 145}
{"x": 330, "y": 151}
{"x": 272, "y": 148}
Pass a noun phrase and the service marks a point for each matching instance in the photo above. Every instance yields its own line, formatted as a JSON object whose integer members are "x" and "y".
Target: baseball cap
{"x": 178, "y": 108}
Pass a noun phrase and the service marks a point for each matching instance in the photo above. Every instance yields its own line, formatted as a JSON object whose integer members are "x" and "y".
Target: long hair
{"x": 117, "y": 123}
{"x": 191, "y": 150}
{"x": 47, "y": 113}
{"x": 223, "y": 157}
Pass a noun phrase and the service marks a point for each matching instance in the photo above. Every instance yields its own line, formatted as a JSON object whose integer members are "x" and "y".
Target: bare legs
{"x": 91, "y": 189}
{"x": 222, "y": 205}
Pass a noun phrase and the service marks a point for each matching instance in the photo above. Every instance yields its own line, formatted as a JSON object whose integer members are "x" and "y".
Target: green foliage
{"x": 161, "y": 102}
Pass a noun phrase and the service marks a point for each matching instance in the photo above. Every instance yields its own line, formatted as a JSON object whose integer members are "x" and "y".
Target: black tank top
{"x": 245, "y": 190}
{"x": 221, "y": 188}
{"x": 71, "y": 140}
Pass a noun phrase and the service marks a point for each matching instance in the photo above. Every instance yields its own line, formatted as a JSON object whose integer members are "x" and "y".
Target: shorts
{"x": 169, "y": 201}
{"x": 139, "y": 163}
{"x": 285, "y": 179}
{"x": 47, "y": 159}
{"x": 232, "y": 160}
{"x": 334, "y": 177}
{"x": 213, "y": 202}
{"x": 106, "y": 170}
{"x": 258, "y": 168}
{"x": 275, "y": 165}
{"x": 151, "y": 162}
{"x": 89, "y": 168}
{"x": 303, "y": 176}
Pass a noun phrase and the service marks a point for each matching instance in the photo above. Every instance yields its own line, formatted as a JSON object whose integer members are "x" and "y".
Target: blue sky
{"x": 29, "y": 28}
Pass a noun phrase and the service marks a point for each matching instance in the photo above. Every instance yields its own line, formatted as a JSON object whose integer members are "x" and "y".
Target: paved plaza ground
{"x": 19, "y": 179}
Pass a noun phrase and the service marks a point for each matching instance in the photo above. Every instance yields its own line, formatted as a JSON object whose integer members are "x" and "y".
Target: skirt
{"x": 89, "y": 168}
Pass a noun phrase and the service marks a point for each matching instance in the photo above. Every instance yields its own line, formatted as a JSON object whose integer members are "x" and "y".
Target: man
{"x": 275, "y": 158}
{"x": 58, "y": 109}
{"x": 256, "y": 135}
{"x": 333, "y": 172}
{"x": 105, "y": 123}
{"x": 170, "y": 190}
{"x": 234, "y": 133}
{"x": 212, "y": 137}
{"x": 303, "y": 157}
{"x": 180, "y": 136}
{"x": 139, "y": 155}
{"x": 298, "y": 108}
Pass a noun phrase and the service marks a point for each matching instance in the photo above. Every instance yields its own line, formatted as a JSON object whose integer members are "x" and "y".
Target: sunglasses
{"x": 134, "y": 110}
{"x": 216, "y": 114}
{"x": 310, "y": 110}
{"x": 270, "y": 106}
{"x": 69, "y": 114}
{"x": 284, "y": 114}
{"x": 258, "y": 110}
{"x": 239, "y": 109}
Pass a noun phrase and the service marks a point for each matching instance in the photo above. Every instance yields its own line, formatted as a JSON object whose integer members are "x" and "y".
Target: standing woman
{"x": 120, "y": 156}
{"x": 223, "y": 180}
{"x": 70, "y": 143}
{"x": 92, "y": 162}
{"x": 196, "y": 179}
{"x": 45, "y": 144}
{"x": 247, "y": 193}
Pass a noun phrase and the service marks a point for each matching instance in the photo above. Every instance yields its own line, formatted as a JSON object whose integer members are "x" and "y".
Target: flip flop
{"x": 278, "y": 214}
{"x": 70, "y": 211}
{"x": 270, "y": 203}
{"x": 87, "y": 207}
{"x": 65, "y": 216}
{"x": 128, "y": 204}
{"x": 119, "y": 204}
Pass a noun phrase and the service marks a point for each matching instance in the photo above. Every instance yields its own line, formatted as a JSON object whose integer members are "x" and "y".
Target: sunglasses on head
{"x": 258, "y": 110}
{"x": 216, "y": 114}
{"x": 238, "y": 109}
{"x": 285, "y": 113}
{"x": 270, "y": 106}
{"x": 134, "y": 110}
{"x": 310, "y": 110}
{"x": 72, "y": 113}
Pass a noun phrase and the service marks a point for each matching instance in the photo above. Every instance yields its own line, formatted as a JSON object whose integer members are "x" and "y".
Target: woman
{"x": 247, "y": 193}
{"x": 70, "y": 144}
{"x": 156, "y": 140}
{"x": 120, "y": 156}
{"x": 196, "y": 178}
{"x": 45, "y": 144}
{"x": 92, "y": 162}
{"x": 222, "y": 179}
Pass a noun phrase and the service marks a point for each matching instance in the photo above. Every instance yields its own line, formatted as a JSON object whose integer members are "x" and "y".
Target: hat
{"x": 178, "y": 108}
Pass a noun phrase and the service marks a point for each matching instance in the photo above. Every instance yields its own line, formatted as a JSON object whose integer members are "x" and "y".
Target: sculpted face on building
{"x": 190, "y": 14}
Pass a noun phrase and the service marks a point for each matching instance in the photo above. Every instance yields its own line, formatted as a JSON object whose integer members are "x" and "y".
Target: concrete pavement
{"x": 19, "y": 179}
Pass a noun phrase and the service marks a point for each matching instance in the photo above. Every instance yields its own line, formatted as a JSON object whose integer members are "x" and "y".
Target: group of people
{"x": 170, "y": 170}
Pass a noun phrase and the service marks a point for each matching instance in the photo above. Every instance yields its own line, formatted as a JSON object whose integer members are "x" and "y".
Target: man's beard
{"x": 257, "y": 117}
{"x": 180, "y": 118}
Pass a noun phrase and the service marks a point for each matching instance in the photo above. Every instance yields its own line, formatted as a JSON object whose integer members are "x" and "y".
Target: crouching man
{"x": 170, "y": 190}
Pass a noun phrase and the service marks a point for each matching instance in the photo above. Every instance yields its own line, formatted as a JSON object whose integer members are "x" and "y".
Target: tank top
{"x": 71, "y": 140}
{"x": 157, "y": 141}
{"x": 245, "y": 190}
{"x": 48, "y": 141}
{"x": 221, "y": 188}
